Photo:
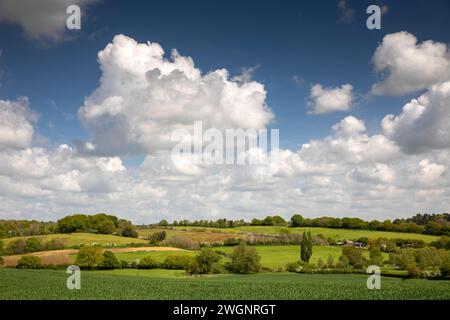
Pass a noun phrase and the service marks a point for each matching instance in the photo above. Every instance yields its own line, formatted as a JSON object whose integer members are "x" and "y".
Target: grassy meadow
{"x": 337, "y": 234}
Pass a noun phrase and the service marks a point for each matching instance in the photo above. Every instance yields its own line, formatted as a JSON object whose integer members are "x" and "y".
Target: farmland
{"x": 166, "y": 284}
{"x": 337, "y": 234}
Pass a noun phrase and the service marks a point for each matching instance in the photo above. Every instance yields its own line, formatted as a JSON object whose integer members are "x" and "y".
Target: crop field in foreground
{"x": 165, "y": 284}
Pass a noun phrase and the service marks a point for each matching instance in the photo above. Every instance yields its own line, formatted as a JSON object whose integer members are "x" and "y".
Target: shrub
{"x": 123, "y": 264}
{"x": 244, "y": 259}
{"x": 1, "y": 247}
{"x": 299, "y": 267}
{"x": 89, "y": 257}
{"x": 55, "y": 244}
{"x": 16, "y": 247}
{"x": 1, "y": 261}
{"x": 109, "y": 261}
{"x": 157, "y": 237}
{"x": 182, "y": 242}
{"x": 442, "y": 243}
{"x": 176, "y": 262}
{"x": 207, "y": 259}
{"x": 330, "y": 262}
{"x": 445, "y": 269}
{"x": 354, "y": 257}
{"x": 32, "y": 245}
{"x": 321, "y": 264}
{"x": 375, "y": 256}
{"x": 148, "y": 263}
{"x": 231, "y": 242}
{"x": 342, "y": 263}
{"x": 29, "y": 262}
{"x": 126, "y": 229}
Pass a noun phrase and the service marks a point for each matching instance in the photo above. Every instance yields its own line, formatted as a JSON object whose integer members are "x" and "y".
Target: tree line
{"x": 432, "y": 224}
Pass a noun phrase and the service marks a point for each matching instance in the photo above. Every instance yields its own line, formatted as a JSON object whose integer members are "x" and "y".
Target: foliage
{"x": 32, "y": 245}
{"x": 157, "y": 237}
{"x": 148, "y": 263}
{"x": 1, "y": 261}
{"x": 2, "y": 247}
{"x": 29, "y": 262}
{"x": 376, "y": 257}
{"x": 99, "y": 223}
{"x": 176, "y": 262}
{"x": 306, "y": 247}
{"x": 126, "y": 229}
{"x": 16, "y": 247}
{"x": 355, "y": 257}
{"x": 244, "y": 259}
{"x": 296, "y": 220}
{"x": 109, "y": 261}
{"x": 442, "y": 243}
{"x": 55, "y": 244}
{"x": 181, "y": 242}
{"x": 89, "y": 257}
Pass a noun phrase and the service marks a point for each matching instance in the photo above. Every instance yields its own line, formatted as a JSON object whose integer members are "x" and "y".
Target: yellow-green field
{"x": 337, "y": 234}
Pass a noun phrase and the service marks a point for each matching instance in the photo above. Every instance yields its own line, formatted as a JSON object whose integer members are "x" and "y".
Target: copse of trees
{"x": 29, "y": 262}
{"x": 244, "y": 259}
{"x": 203, "y": 263}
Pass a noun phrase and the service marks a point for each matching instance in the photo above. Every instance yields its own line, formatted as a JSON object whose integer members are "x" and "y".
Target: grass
{"x": 75, "y": 239}
{"x": 199, "y": 235}
{"x": 337, "y": 234}
{"x": 168, "y": 285}
{"x": 279, "y": 256}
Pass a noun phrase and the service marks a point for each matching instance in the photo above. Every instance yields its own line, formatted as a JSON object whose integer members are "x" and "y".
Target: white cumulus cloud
{"x": 409, "y": 66}
{"x": 327, "y": 100}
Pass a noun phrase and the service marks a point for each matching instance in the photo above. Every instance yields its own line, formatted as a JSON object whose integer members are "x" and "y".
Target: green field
{"x": 74, "y": 239}
{"x": 157, "y": 284}
{"x": 271, "y": 256}
{"x": 337, "y": 234}
{"x": 279, "y": 256}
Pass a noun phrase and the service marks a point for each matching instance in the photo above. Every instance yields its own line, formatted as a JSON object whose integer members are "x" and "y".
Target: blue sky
{"x": 358, "y": 166}
{"x": 293, "y": 38}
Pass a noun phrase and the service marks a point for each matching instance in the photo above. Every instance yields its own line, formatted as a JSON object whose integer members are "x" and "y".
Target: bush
{"x": 299, "y": 267}
{"x": 445, "y": 269}
{"x": 330, "y": 261}
{"x": 177, "y": 262}
{"x": 157, "y": 237}
{"x": 355, "y": 257}
{"x": 123, "y": 264}
{"x": 89, "y": 257}
{"x": 109, "y": 261}
{"x": 442, "y": 243}
{"x": 32, "y": 245}
{"x": 375, "y": 257}
{"x": 207, "y": 259}
{"x": 1, "y": 247}
{"x": 126, "y": 229}
{"x": 342, "y": 263}
{"x": 231, "y": 242}
{"x": 29, "y": 262}
{"x": 55, "y": 244}
{"x": 244, "y": 259}
{"x": 148, "y": 263}
{"x": 1, "y": 261}
{"x": 16, "y": 247}
{"x": 182, "y": 242}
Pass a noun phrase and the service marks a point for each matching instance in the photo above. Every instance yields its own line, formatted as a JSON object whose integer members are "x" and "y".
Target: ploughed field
{"x": 171, "y": 284}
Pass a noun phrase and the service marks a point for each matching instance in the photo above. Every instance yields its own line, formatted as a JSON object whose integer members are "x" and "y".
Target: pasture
{"x": 168, "y": 285}
{"x": 337, "y": 234}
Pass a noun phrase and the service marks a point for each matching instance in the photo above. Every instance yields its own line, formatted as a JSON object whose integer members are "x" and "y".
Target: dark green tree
{"x": 306, "y": 247}
{"x": 29, "y": 262}
{"x": 296, "y": 220}
{"x": 32, "y": 245}
{"x": 244, "y": 259}
{"x": 109, "y": 261}
{"x": 89, "y": 257}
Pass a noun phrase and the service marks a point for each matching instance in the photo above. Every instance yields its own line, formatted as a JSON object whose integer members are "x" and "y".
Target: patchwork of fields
{"x": 166, "y": 284}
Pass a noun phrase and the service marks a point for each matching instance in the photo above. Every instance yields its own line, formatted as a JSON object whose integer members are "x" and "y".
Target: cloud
{"x": 16, "y": 124}
{"x": 346, "y": 14}
{"x": 424, "y": 123}
{"x": 409, "y": 66}
{"x": 40, "y": 20}
{"x": 144, "y": 97}
{"x": 327, "y": 100}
